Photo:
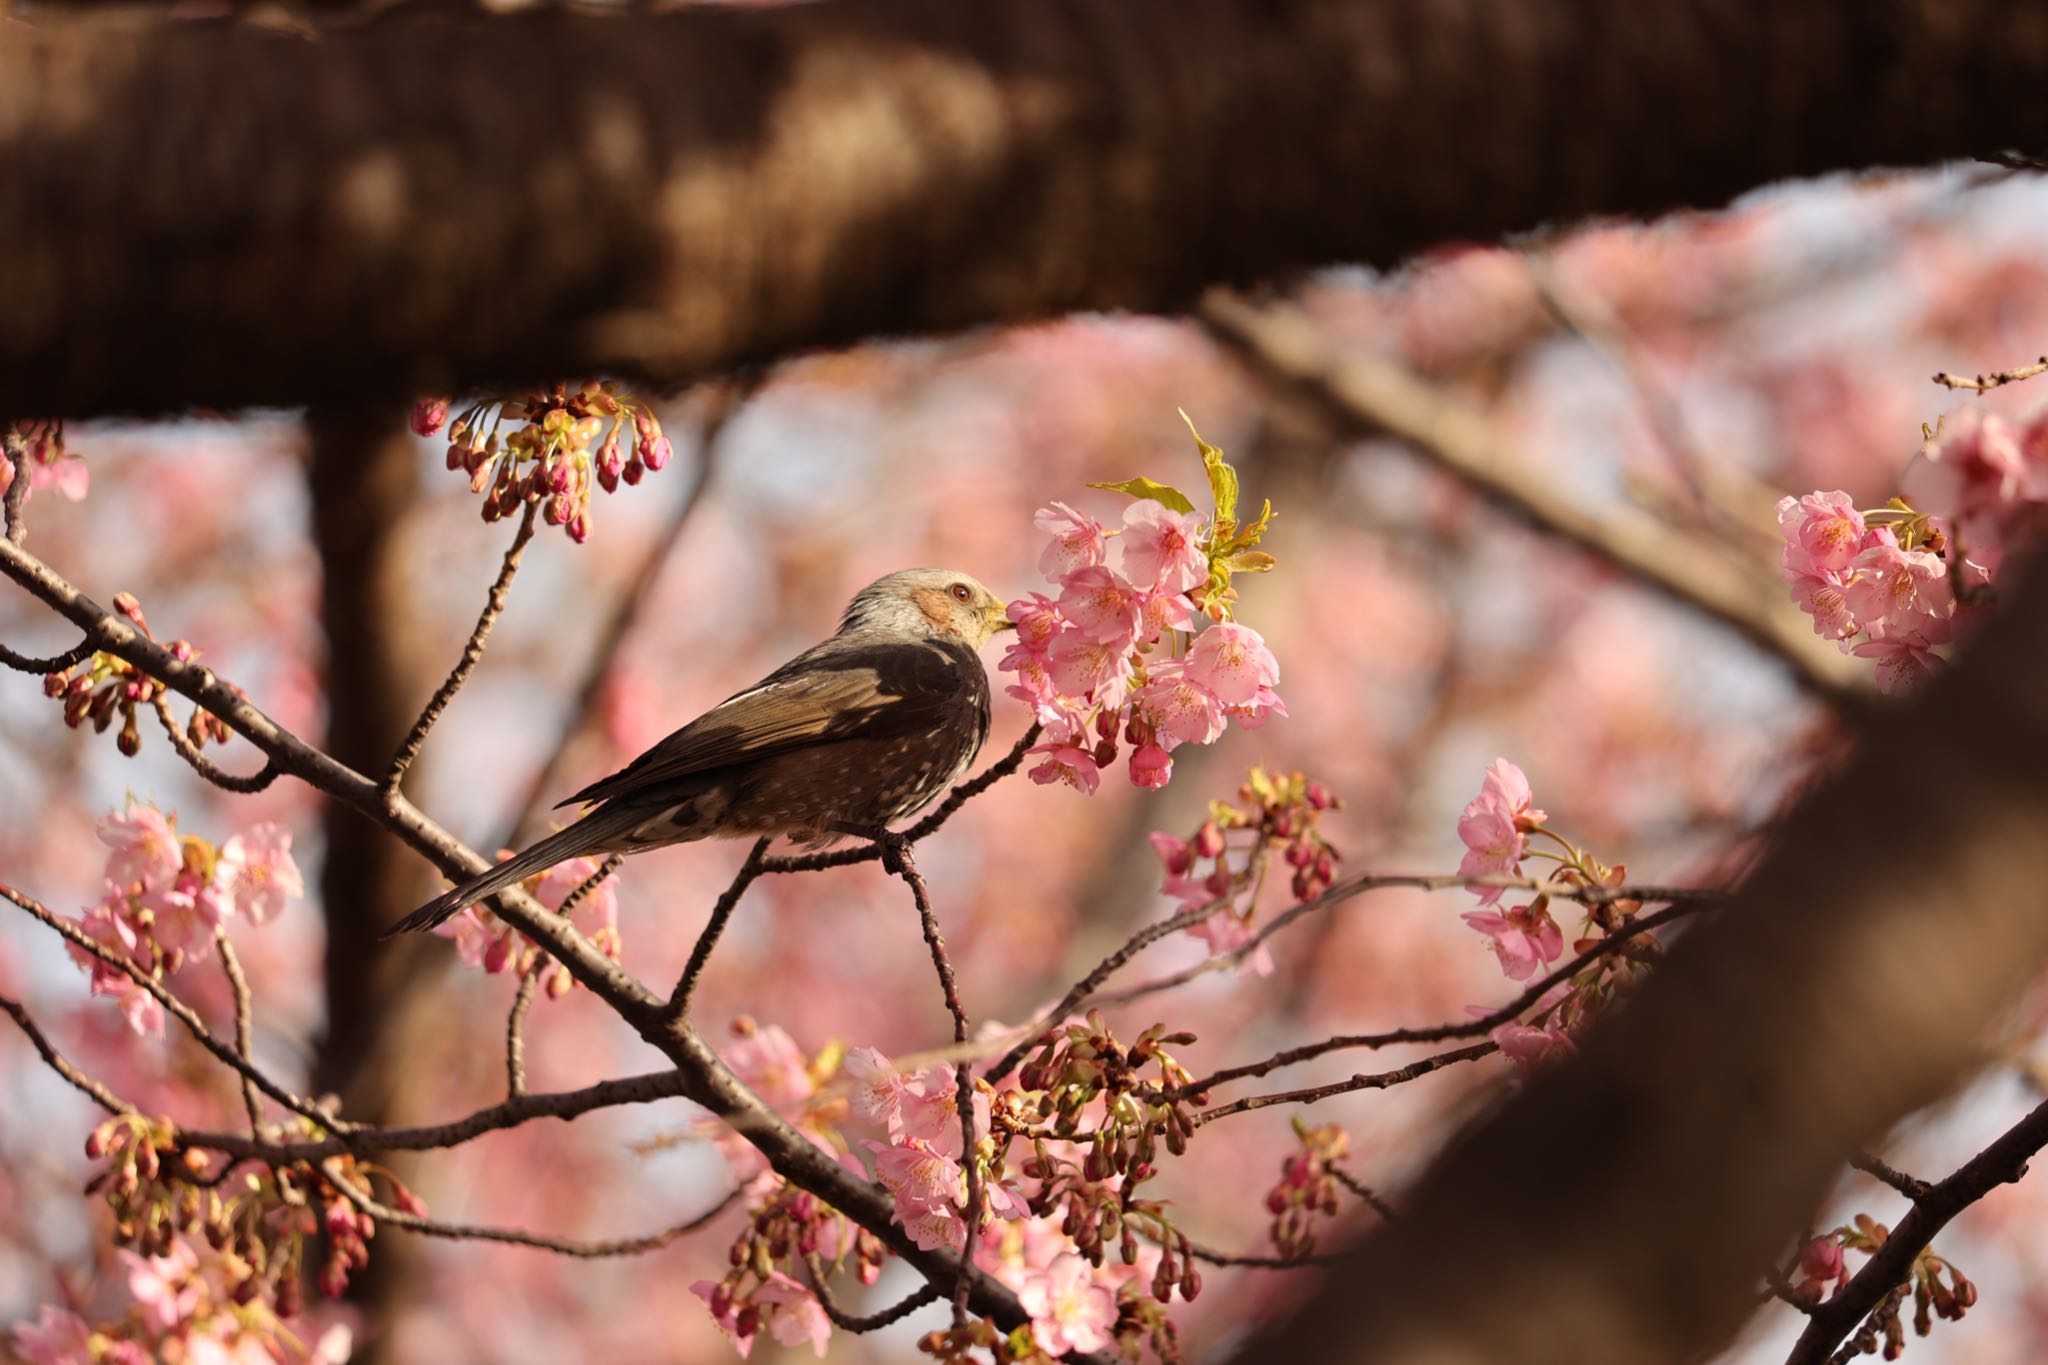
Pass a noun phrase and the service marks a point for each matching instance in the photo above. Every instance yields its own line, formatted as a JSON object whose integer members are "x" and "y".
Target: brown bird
{"x": 848, "y": 737}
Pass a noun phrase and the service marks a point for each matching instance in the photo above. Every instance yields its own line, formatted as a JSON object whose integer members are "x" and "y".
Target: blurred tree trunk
{"x": 364, "y": 479}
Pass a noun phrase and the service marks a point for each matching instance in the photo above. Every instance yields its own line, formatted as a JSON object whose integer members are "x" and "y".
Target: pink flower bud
{"x": 634, "y": 470}
{"x": 429, "y": 415}
{"x": 579, "y": 527}
{"x": 656, "y": 453}
{"x": 1208, "y": 840}
{"x": 497, "y": 954}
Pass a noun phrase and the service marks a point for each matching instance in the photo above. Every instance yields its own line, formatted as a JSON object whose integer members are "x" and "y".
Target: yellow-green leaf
{"x": 1251, "y": 561}
{"x": 1222, "y": 479}
{"x": 1142, "y": 487}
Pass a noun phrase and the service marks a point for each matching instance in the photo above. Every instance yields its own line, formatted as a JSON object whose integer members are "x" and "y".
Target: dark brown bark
{"x": 364, "y": 474}
{"x": 1624, "y": 1208}
{"x": 216, "y": 213}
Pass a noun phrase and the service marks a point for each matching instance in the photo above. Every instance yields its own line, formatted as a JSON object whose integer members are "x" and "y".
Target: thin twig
{"x": 238, "y": 982}
{"x": 898, "y": 858}
{"x": 204, "y": 766}
{"x": 646, "y": 1088}
{"x": 57, "y": 1062}
{"x": 515, "y": 1036}
{"x": 1307, "y": 1260}
{"x": 924, "y": 828}
{"x": 2001, "y": 1163}
{"x": 15, "y": 448}
{"x": 561, "y": 1246}
{"x": 1984, "y": 383}
{"x": 1441, "y": 1033}
{"x": 1910, "y": 1186}
{"x": 868, "y": 1322}
{"x": 472, "y": 653}
{"x": 626, "y": 610}
{"x": 686, "y": 984}
{"x": 44, "y": 667}
{"x": 1364, "y": 1191}
{"x": 1379, "y": 1081}
{"x": 177, "y": 1008}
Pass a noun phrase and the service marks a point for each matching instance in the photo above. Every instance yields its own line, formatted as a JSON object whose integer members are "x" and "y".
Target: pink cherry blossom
{"x": 1225, "y": 933}
{"x": 56, "y": 1337}
{"x": 168, "y": 1287}
{"x": 107, "y": 925}
{"x": 144, "y": 848}
{"x": 1533, "y": 1047}
{"x": 795, "y": 1315}
{"x": 1070, "y": 1310}
{"x": 1264, "y": 705}
{"x": 1037, "y": 619}
{"x": 732, "y": 1318}
{"x": 928, "y": 1187}
{"x": 1231, "y": 661}
{"x": 257, "y": 873}
{"x": 1179, "y": 709}
{"x": 1525, "y": 938}
{"x": 1082, "y": 666}
{"x": 1897, "y": 591}
{"x": 1820, "y": 1266}
{"x": 1494, "y": 826}
{"x": 1077, "y": 540}
{"x": 184, "y": 915}
{"x": 1068, "y": 763}
{"x": 1101, "y": 604}
{"x": 1904, "y": 662}
{"x": 875, "y": 1089}
{"x": 1823, "y": 532}
{"x": 1159, "y": 612}
{"x": 1034, "y": 685}
{"x": 1161, "y": 550}
{"x": 1151, "y": 767}
{"x": 1824, "y": 598}
{"x": 768, "y": 1060}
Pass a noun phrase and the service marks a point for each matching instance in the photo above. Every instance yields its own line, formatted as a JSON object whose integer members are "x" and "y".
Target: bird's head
{"x": 930, "y": 604}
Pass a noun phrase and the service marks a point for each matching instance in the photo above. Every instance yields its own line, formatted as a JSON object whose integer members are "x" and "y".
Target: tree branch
{"x": 1373, "y": 395}
{"x": 1018, "y": 160}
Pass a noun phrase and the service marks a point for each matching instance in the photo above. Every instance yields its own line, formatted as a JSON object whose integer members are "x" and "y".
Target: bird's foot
{"x": 891, "y": 847}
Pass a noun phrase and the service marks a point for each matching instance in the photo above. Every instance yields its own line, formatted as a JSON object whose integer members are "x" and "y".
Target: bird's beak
{"x": 1001, "y": 621}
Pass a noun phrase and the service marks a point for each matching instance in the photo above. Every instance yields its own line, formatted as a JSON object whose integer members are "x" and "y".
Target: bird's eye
{"x": 961, "y": 593}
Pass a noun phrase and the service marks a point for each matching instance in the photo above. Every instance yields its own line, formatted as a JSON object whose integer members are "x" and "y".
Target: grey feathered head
{"x": 934, "y": 604}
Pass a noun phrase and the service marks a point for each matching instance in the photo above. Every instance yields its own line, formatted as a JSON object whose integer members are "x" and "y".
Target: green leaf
{"x": 1251, "y": 561}
{"x": 1222, "y": 479}
{"x": 1142, "y": 487}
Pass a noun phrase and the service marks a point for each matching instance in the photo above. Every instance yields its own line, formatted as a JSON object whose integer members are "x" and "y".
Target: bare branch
{"x": 1984, "y": 383}
{"x": 1910, "y": 1186}
{"x": 1367, "y": 394}
{"x": 870, "y": 1322}
{"x": 561, "y": 1246}
{"x": 57, "y": 1062}
{"x": 515, "y": 1035}
{"x": 472, "y": 654}
{"x": 686, "y": 984}
{"x": 238, "y": 982}
{"x": 204, "y": 766}
{"x": 1364, "y": 1191}
{"x": 2001, "y": 1163}
{"x": 1379, "y": 1081}
{"x": 14, "y": 447}
{"x": 56, "y": 663}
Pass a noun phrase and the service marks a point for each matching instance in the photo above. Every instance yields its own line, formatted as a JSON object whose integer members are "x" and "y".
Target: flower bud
{"x": 1208, "y": 840}
{"x": 429, "y": 415}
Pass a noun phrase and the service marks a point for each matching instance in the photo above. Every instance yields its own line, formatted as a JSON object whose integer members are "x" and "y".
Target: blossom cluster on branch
{"x": 1117, "y": 655}
{"x": 549, "y": 446}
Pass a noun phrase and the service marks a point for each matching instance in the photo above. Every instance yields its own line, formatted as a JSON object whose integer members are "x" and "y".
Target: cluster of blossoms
{"x": 1496, "y": 828}
{"x": 215, "y": 1265}
{"x": 50, "y": 465}
{"x": 1892, "y": 584}
{"x": 168, "y": 895}
{"x": 1308, "y": 1186}
{"x": 1280, "y": 813}
{"x": 1117, "y": 655}
{"x": 1823, "y": 1271}
{"x": 562, "y": 442}
{"x": 105, "y": 686}
{"x": 1088, "y": 1117}
{"x": 483, "y": 940}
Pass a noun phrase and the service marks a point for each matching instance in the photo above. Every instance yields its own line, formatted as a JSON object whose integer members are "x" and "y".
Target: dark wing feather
{"x": 838, "y": 690}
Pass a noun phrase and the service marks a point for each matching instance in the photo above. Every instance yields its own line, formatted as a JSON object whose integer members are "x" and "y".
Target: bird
{"x": 850, "y": 736}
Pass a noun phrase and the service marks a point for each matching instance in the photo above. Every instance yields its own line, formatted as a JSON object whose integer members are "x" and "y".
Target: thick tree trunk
{"x": 216, "y": 213}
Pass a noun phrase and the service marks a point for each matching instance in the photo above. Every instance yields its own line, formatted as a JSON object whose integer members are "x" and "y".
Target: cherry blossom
{"x": 1077, "y": 540}
{"x": 56, "y": 1337}
{"x": 1070, "y": 1310}
{"x": 794, "y": 1314}
{"x": 1823, "y": 532}
{"x": 1525, "y": 939}
{"x": 1495, "y": 825}
{"x": 1177, "y": 707}
{"x": 1232, "y": 663}
{"x": 257, "y": 872}
{"x": 1533, "y": 1047}
{"x": 1151, "y": 766}
{"x": 144, "y": 847}
{"x": 738, "y": 1321}
{"x": 1160, "y": 548}
{"x": 1068, "y": 763}
{"x": 1102, "y": 606}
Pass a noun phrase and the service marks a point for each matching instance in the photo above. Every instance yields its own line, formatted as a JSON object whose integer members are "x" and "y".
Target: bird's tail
{"x": 589, "y": 835}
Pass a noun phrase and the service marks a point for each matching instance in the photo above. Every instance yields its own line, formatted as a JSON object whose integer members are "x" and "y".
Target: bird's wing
{"x": 825, "y": 695}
